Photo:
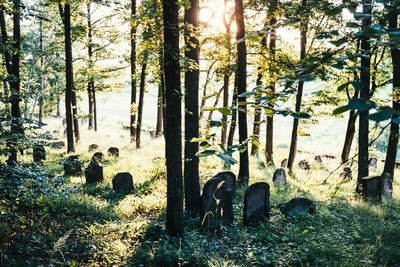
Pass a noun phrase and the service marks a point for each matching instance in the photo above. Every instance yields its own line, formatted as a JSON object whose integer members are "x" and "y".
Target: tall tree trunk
{"x": 232, "y": 126}
{"x": 363, "y": 128}
{"x": 94, "y": 106}
{"x": 217, "y": 97}
{"x": 90, "y": 103}
{"x": 257, "y": 112}
{"x": 173, "y": 116}
{"x": 225, "y": 105}
{"x": 350, "y": 131}
{"x": 160, "y": 106}
{"x": 133, "y": 72}
{"x": 75, "y": 115}
{"x": 90, "y": 64}
{"x": 241, "y": 88}
{"x": 391, "y": 153}
{"x": 65, "y": 12}
{"x": 303, "y": 45}
{"x": 141, "y": 98}
{"x": 58, "y": 108}
{"x": 191, "y": 166}
{"x": 40, "y": 100}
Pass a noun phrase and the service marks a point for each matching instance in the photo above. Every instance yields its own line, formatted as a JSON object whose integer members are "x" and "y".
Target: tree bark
{"x": 40, "y": 98}
{"x": 363, "y": 128}
{"x": 133, "y": 72}
{"x": 191, "y": 166}
{"x": 75, "y": 114}
{"x": 303, "y": 46}
{"x": 65, "y": 13}
{"x": 141, "y": 98}
{"x": 257, "y": 110}
{"x": 172, "y": 130}
{"x": 90, "y": 64}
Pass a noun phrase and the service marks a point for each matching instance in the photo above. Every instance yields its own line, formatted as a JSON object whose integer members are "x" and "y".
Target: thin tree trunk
{"x": 257, "y": 113}
{"x": 133, "y": 72}
{"x": 141, "y": 98}
{"x": 94, "y": 106}
{"x": 232, "y": 127}
{"x": 173, "y": 116}
{"x": 204, "y": 97}
{"x": 90, "y": 103}
{"x": 90, "y": 64}
{"x": 58, "y": 109}
{"x": 40, "y": 100}
{"x": 75, "y": 115}
{"x": 160, "y": 108}
{"x": 303, "y": 45}
{"x": 241, "y": 88}
{"x": 350, "y": 131}
{"x": 225, "y": 105}
{"x": 65, "y": 13}
{"x": 217, "y": 97}
{"x": 363, "y": 128}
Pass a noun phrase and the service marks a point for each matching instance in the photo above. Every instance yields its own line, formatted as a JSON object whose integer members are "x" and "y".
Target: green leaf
{"x": 380, "y": 116}
{"x": 215, "y": 123}
{"x": 341, "y": 109}
{"x": 246, "y": 94}
{"x": 206, "y": 153}
{"x": 300, "y": 115}
{"x": 358, "y": 104}
{"x": 227, "y": 158}
{"x": 225, "y": 111}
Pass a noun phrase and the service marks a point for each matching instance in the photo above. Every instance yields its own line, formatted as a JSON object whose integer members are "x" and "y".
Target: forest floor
{"x": 47, "y": 219}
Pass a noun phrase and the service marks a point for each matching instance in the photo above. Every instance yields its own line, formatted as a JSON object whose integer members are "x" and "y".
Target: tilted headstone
{"x": 297, "y": 206}
{"x": 373, "y": 163}
{"x": 39, "y": 153}
{"x": 229, "y": 178}
{"x": 72, "y": 166}
{"x": 372, "y": 188}
{"x": 346, "y": 174}
{"x": 279, "y": 178}
{"x": 318, "y": 160}
{"x": 123, "y": 182}
{"x": 304, "y": 165}
{"x": 284, "y": 163}
{"x": 386, "y": 185}
{"x": 98, "y": 156}
{"x": 93, "y": 147}
{"x": 216, "y": 204}
{"x": 256, "y": 204}
{"x": 113, "y": 151}
{"x": 94, "y": 172}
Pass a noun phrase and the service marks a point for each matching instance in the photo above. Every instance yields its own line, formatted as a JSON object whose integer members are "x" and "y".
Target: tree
{"x": 141, "y": 97}
{"x": 65, "y": 13}
{"x": 133, "y": 71}
{"x": 191, "y": 166}
{"x": 241, "y": 89}
{"x": 172, "y": 131}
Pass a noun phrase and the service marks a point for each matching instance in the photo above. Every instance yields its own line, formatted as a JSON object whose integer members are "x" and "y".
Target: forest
{"x": 199, "y": 133}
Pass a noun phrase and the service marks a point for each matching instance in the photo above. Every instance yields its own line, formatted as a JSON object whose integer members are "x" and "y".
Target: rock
{"x": 284, "y": 163}
{"x": 98, "y": 156}
{"x": 304, "y": 165}
{"x": 297, "y": 206}
{"x": 57, "y": 144}
{"x": 113, "y": 152}
{"x": 72, "y": 166}
{"x": 229, "y": 178}
{"x": 93, "y": 148}
{"x": 279, "y": 178}
{"x": 318, "y": 160}
{"x": 372, "y": 188}
{"x": 346, "y": 174}
{"x": 94, "y": 172}
{"x": 39, "y": 153}
{"x": 386, "y": 185}
{"x": 373, "y": 163}
{"x": 123, "y": 182}
{"x": 217, "y": 205}
{"x": 256, "y": 204}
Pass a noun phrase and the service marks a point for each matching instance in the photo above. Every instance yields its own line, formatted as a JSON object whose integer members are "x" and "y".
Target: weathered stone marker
{"x": 386, "y": 184}
{"x": 304, "y": 165}
{"x": 93, "y": 147}
{"x": 284, "y": 163}
{"x": 372, "y": 188}
{"x": 346, "y": 174}
{"x": 229, "y": 178}
{"x": 72, "y": 166}
{"x": 57, "y": 144}
{"x": 39, "y": 153}
{"x": 279, "y": 178}
{"x": 297, "y": 206}
{"x": 216, "y": 204}
{"x": 113, "y": 152}
{"x": 373, "y": 163}
{"x": 98, "y": 156}
{"x": 256, "y": 204}
{"x": 123, "y": 182}
{"x": 318, "y": 160}
{"x": 94, "y": 172}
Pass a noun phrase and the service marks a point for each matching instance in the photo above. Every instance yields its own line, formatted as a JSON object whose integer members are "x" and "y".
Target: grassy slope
{"x": 64, "y": 223}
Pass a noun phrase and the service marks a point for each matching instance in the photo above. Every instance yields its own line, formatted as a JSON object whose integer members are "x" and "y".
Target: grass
{"x": 58, "y": 221}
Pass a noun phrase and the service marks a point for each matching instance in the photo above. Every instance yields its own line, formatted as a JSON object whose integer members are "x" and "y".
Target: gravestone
{"x": 98, "y": 156}
{"x": 57, "y": 144}
{"x": 386, "y": 185}
{"x": 123, "y": 182}
{"x": 113, "y": 152}
{"x": 229, "y": 178}
{"x": 56, "y": 132}
{"x": 94, "y": 172}
{"x": 297, "y": 206}
{"x": 372, "y": 188}
{"x": 279, "y": 178}
{"x": 256, "y": 204}
{"x": 318, "y": 160}
{"x": 39, "y": 153}
{"x": 284, "y": 163}
{"x": 72, "y": 166}
{"x": 304, "y": 165}
{"x": 346, "y": 174}
{"x": 373, "y": 163}
{"x": 93, "y": 147}
{"x": 216, "y": 204}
